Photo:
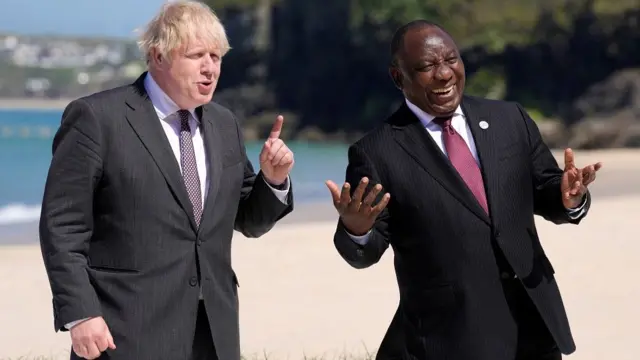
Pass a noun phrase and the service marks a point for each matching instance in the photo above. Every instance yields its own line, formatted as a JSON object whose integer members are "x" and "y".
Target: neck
{"x": 159, "y": 80}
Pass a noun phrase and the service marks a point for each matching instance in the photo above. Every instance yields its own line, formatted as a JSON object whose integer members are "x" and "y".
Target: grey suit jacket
{"x": 117, "y": 231}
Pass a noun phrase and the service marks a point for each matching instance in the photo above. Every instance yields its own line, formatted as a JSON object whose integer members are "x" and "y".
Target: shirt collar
{"x": 163, "y": 104}
{"x": 425, "y": 118}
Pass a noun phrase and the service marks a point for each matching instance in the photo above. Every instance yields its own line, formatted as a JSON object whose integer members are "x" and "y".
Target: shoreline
{"x": 305, "y": 213}
{"x": 33, "y": 104}
{"x": 316, "y": 212}
{"x": 618, "y": 178}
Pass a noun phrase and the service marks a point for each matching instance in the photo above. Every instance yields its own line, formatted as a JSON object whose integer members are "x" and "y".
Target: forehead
{"x": 200, "y": 42}
{"x": 427, "y": 42}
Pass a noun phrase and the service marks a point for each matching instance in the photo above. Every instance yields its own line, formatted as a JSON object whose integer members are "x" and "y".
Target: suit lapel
{"x": 142, "y": 117}
{"x": 416, "y": 141}
{"x": 213, "y": 143}
{"x": 484, "y": 140}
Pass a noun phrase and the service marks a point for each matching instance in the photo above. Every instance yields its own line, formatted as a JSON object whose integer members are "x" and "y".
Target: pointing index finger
{"x": 277, "y": 128}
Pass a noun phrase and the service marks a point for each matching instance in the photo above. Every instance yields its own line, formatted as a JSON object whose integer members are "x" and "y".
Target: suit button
{"x": 193, "y": 281}
{"x": 506, "y": 276}
{"x": 497, "y": 234}
{"x": 360, "y": 252}
{"x": 199, "y": 242}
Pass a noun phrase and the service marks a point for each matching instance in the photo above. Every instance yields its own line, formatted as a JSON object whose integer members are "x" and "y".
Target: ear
{"x": 156, "y": 57}
{"x": 396, "y": 77}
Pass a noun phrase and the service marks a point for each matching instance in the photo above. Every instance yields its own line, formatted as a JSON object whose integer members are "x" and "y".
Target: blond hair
{"x": 178, "y": 22}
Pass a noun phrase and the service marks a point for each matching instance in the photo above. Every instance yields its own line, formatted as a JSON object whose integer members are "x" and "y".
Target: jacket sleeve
{"x": 369, "y": 250}
{"x": 66, "y": 220}
{"x": 547, "y": 177}
{"x": 260, "y": 206}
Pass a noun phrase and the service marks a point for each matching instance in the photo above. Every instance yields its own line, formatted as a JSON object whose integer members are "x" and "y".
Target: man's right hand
{"x": 357, "y": 215}
{"x": 91, "y": 337}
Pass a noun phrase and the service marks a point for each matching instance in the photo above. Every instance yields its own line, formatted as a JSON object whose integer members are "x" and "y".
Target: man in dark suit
{"x": 463, "y": 179}
{"x": 146, "y": 186}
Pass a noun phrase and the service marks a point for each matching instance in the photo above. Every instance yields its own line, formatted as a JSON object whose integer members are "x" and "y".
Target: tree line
{"x": 324, "y": 62}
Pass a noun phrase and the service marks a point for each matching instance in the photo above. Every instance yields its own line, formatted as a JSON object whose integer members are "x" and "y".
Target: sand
{"x": 297, "y": 296}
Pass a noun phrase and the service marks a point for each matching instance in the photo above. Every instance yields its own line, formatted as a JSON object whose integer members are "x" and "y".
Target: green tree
{"x": 492, "y": 24}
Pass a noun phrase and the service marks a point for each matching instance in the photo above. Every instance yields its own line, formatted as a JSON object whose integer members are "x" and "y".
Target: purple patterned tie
{"x": 189, "y": 166}
{"x": 462, "y": 159}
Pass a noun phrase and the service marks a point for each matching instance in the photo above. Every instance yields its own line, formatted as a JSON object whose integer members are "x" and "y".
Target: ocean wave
{"x": 19, "y": 213}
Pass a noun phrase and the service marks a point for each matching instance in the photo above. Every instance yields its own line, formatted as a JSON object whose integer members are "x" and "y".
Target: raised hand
{"x": 575, "y": 181}
{"x": 91, "y": 337}
{"x": 357, "y": 215}
{"x": 276, "y": 160}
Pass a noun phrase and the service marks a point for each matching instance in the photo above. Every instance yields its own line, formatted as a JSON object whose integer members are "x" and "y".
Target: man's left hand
{"x": 276, "y": 160}
{"x": 575, "y": 181}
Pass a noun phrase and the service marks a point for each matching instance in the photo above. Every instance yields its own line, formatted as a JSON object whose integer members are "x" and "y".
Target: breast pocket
{"x": 232, "y": 157}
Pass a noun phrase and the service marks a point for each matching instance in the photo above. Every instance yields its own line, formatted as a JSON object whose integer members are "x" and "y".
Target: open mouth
{"x": 205, "y": 86}
{"x": 443, "y": 91}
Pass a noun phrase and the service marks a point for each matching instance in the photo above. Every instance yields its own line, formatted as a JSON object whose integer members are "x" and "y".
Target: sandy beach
{"x": 298, "y": 297}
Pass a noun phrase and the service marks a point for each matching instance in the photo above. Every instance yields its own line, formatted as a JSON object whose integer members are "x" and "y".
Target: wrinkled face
{"x": 189, "y": 77}
{"x": 430, "y": 71}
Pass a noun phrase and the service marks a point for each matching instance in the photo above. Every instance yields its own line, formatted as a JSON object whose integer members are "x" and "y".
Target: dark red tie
{"x": 462, "y": 159}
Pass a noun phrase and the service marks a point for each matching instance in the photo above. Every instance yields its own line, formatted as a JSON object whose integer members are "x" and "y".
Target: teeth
{"x": 443, "y": 91}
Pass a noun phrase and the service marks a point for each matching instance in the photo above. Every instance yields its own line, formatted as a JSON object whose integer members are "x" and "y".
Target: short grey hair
{"x": 179, "y": 21}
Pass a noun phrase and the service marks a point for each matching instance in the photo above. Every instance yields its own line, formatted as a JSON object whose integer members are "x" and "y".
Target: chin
{"x": 448, "y": 108}
{"x": 444, "y": 109}
{"x": 203, "y": 99}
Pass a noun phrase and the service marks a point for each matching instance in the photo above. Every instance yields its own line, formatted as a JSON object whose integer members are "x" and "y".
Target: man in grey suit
{"x": 146, "y": 185}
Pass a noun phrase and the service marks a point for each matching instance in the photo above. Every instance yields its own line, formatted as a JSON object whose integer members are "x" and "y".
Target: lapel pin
{"x": 484, "y": 125}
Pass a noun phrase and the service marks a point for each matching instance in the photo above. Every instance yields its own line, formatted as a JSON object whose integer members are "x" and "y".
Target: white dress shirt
{"x": 459, "y": 123}
{"x": 166, "y": 109}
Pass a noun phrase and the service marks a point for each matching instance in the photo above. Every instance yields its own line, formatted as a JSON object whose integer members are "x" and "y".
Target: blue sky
{"x": 112, "y": 18}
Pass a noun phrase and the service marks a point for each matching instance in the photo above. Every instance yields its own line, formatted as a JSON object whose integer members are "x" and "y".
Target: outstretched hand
{"x": 575, "y": 181}
{"x": 357, "y": 215}
{"x": 276, "y": 159}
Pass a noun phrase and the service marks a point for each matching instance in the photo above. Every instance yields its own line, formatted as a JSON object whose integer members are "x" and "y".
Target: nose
{"x": 444, "y": 73}
{"x": 208, "y": 65}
